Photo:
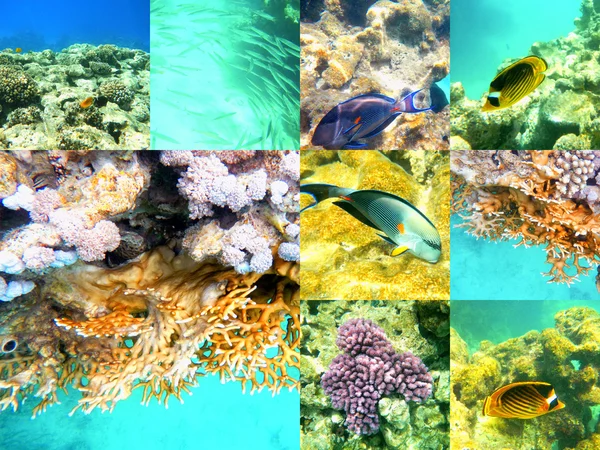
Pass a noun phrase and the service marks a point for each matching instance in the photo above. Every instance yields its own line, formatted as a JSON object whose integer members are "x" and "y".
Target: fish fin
{"x": 381, "y": 96}
{"x": 354, "y": 145}
{"x": 354, "y": 129}
{"x": 411, "y": 105}
{"x": 399, "y": 250}
{"x": 386, "y": 239}
{"x": 381, "y": 127}
{"x": 322, "y": 191}
{"x": 356, "y": 214}
{"x": 438, "y": 97}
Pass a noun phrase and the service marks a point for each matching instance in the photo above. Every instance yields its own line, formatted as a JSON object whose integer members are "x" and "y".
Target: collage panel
{"x": 375, "y": 74}
{"x": 385, "y": 236}
{"x": 375, "y": 375}
{"x": 522, "y": 85}
{"x": 541, "y": 209}
{"x": 524, "y": 374}
{"x": 225, "y": 74}
{"x": 140, "y": 281}
{"x": 67, "y": 85}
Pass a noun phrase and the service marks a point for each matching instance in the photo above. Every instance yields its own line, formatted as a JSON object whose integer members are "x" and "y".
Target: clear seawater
{"x": 484, "y": 270}
{"x": 497, "y": 322}
{"x": 486, "y": 32}
{"x": 213, "y": 84}
{"x": 216, "y": 416}
{"x": 36, "y": 25}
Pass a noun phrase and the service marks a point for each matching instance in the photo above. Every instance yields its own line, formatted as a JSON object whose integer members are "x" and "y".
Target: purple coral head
{"x": 368, "y": 369}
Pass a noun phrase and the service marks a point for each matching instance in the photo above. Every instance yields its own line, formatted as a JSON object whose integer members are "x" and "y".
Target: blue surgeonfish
{"x": 362, "y": 117}
{"x": 402, "y": 225}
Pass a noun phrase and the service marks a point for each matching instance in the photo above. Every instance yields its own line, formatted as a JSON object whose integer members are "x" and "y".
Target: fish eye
{"x": 9, "y": 346}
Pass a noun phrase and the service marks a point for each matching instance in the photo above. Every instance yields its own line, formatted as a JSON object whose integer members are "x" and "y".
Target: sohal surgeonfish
{"x": 523, "y": 400}
{"x": 515, "y": 82}
{"x": 361, "y": 117}
{"x": 402, "y": 225}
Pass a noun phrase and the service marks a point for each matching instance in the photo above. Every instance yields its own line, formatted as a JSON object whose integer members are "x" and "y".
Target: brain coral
{"x": 16, "y": 87}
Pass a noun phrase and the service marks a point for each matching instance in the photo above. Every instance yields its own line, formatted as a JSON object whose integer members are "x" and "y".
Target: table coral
{"x": 547, "y": 198}
{"x": 565, "y": 356}
{"x": 119, "y": 302}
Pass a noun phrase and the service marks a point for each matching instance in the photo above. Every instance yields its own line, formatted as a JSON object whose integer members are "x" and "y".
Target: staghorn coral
{"x": 565, "y": 356}
{"x": 548, "y": 198}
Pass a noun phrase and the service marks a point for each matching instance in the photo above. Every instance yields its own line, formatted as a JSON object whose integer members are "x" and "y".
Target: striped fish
{"x": 402, "y": 225}
{"x": 522, "y": 400}
{"x": 515, "y": 82}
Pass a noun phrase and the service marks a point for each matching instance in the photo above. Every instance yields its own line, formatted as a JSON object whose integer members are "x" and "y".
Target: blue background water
{"x": 41, "y": 24}
{"x": 494, "y": 321}
{"x": 216, "y": 416}
{"x": 486, "y": 32}
{"x": 484, "y": 270}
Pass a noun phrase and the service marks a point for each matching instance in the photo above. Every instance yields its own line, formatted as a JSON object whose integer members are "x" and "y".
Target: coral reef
{"x": 565, "y": 356}
{"x": 547, "y": 197}
{"x": 559, "y": 114}
{"x": 369, "y": 369}
{"x": 358, "y": 47}
{"x": 343, "y": 259}
{"x": 42, "y": 93}
{"x": 105, "y": 292}
{"x": 374, "y": 370}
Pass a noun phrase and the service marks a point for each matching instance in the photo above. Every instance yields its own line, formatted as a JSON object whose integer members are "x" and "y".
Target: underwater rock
{"x": 346, "y": 260}
{"x": 51, "y": 87}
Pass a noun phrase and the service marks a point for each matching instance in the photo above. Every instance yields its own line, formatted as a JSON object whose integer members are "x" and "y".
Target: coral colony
{"x": 540, "y": 197}
{"x": 369, "y": 369}
{"x": 113, "y": 281}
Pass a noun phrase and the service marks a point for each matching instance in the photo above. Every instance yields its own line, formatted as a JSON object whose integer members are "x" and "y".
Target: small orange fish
{"x": 18, "y": 49}
{"x": 87, "y": 102}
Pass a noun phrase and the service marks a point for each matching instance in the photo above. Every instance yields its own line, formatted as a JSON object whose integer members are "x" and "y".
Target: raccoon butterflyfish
{"x": 87, "y": 102}
{"x": 515, "y": 82}
{"x": 18, "y": 50}
{"x": 402, "y": 225}
{"x": 522, "y": 400}
{"x": 361, "y": 117}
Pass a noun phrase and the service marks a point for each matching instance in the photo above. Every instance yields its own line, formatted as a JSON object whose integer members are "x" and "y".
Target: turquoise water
{"x": 38, "y": 25}
{"x": 484, "y": 270}
{"x": 486, "y": 32}
{"x": 225, "y": 75}
{"x": 216, "y": 416}
{"x": 494, "y": 321}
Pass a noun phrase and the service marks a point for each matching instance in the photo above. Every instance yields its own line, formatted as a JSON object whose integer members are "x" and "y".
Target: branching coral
{"x": 157, "y": 323}
{"x": 548, "y": 197}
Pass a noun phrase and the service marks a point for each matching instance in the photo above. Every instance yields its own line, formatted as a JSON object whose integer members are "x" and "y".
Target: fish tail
{"x": 407, "y": 104}
{"x": 322, "y": 191}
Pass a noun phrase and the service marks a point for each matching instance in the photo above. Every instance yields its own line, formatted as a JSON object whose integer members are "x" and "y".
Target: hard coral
{"x": 16, "y": 87}
{"x": 157, "y": 323}
{"x": 369, "y": 369}
{"x": 544, "y": 197}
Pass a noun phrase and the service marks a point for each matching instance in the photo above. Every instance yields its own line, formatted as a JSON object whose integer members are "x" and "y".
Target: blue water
{"x": 37, "y": 25}
{"x": 484, "y": 270}
{"x": 216, "y": 416}
{"x": 495, "y": 321}
{"x": 486, "y": 32}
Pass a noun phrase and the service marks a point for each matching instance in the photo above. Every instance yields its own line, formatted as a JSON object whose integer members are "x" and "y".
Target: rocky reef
{"x": 418, "y": 327}
{"x": 565, "y": 356}
{"x": 559, "y": 114}
{"x": 357, "y": 47}
{"x": 343, "y": 259}
{"x": 537, "y": 197}
{"x": 126, "y": 270}
{"x": 81, "y": 98}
